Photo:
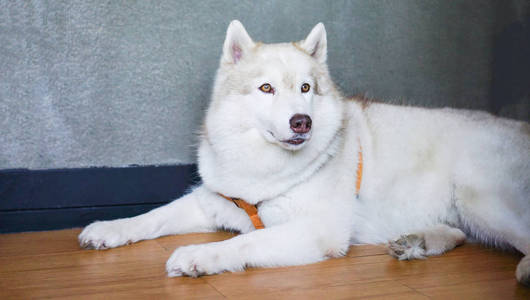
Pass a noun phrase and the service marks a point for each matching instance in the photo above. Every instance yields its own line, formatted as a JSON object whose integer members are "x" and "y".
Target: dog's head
{"x": 274, "y": 113}
{"x": 271, "y": 88}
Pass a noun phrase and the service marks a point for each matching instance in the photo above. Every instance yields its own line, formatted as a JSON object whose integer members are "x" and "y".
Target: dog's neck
{"x": 220, "y": 174}
{"x": 252, "y": 210}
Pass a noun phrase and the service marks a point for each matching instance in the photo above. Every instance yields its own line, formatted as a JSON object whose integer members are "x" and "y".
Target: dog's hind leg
{"x": 432, "y": 241}
{"x": 523, "y": 271}
{"x": 499, "y": 217}
{"x": 199, "y": 211}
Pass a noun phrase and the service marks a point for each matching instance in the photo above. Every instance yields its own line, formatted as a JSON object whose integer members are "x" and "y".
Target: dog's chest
{"x": 330, "y": 191}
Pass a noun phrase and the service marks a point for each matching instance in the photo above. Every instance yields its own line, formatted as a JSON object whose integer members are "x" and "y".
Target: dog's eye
{"x": 266, "y": 88}
{"x": 305, "y": 87}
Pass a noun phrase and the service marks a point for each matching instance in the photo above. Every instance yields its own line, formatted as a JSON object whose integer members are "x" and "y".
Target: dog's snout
{"x": 300, "y": 123}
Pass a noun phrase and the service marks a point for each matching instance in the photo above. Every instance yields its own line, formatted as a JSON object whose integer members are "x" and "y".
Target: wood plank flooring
{"x": 51, "y": 265}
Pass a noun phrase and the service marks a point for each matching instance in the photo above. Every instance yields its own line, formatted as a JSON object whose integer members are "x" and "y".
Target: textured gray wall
{"x": 115, "y": 83}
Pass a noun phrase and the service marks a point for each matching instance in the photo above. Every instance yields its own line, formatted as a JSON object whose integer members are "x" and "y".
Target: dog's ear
{"x": 237, "y": 43}
{"x": 316, "y": 43}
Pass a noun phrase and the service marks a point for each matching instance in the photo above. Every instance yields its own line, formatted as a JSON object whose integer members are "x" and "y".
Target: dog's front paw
{"x": 197, "y": 260}
{"x": 104, "y": 234}
{"x": 410, "y": 246}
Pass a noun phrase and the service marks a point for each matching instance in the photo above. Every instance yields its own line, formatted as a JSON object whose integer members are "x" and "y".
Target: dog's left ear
{"x": 237, "y": 43}
{"x": 316, "y": 43}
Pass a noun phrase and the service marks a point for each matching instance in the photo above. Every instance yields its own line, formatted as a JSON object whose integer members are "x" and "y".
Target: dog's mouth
{"x": 295, "y": 142}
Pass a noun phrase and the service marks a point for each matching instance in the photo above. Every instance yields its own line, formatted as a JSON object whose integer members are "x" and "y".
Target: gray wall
{"x": 115, "y": 83}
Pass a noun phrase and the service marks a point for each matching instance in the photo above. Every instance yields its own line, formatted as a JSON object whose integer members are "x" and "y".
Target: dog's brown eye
{"x": 305, "y": 87}
{"x": 266, "y": 88}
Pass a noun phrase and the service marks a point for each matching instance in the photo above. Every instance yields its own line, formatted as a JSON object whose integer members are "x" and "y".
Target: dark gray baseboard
{"x": 33, "y": 200}
{"x": 50, "y": 219}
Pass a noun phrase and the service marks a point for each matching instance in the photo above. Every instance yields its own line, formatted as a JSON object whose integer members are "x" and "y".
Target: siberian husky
{"x": 326, "y": 172}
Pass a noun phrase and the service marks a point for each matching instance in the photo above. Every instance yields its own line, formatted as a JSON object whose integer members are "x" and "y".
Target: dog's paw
{"x": 523, "y": 271}
{"x": 197, "y": 260}
{"x": 103, "y": 235}
{"x": 410, "y": 246}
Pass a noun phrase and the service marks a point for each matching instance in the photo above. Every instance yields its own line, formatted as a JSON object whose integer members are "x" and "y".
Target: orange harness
{"x": 252, "y": 210}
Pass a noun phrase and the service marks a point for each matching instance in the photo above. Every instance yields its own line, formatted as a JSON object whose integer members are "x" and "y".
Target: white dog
{"x": 326, "y": 172}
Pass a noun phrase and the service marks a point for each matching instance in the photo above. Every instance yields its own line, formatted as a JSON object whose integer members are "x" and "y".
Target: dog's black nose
{"x": 300, "y": 123}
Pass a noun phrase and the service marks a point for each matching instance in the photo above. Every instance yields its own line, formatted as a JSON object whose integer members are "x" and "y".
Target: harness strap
{"x": 359, "y": 172}
{"x": 251, "y": 210}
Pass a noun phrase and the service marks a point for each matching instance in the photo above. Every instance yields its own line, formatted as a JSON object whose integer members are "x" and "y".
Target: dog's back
{"x": 468, "y": 168}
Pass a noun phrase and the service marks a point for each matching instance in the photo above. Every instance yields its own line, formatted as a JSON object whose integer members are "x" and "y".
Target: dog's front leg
{"x": 197, "y": 211}
{"x": 295, "y": 243}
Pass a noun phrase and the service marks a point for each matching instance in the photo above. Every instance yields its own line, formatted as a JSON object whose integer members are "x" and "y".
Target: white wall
{"x": 115, "y": 83}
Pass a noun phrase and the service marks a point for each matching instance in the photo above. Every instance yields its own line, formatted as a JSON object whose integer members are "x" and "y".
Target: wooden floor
{"x": 50, "y": 264}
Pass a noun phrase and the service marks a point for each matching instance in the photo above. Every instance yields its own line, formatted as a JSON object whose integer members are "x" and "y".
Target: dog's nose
{"x": 300, "y": 123}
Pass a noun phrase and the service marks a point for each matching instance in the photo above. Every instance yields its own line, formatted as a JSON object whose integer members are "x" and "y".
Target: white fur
{"x": 426, "y": 172}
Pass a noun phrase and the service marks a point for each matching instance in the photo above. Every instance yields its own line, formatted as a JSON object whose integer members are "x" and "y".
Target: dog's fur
{"x": 430, "y": 176}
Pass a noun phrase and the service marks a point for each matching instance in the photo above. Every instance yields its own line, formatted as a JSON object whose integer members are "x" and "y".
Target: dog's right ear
{"x": 316, "y": 43}
{"x": 237, "y": 43}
